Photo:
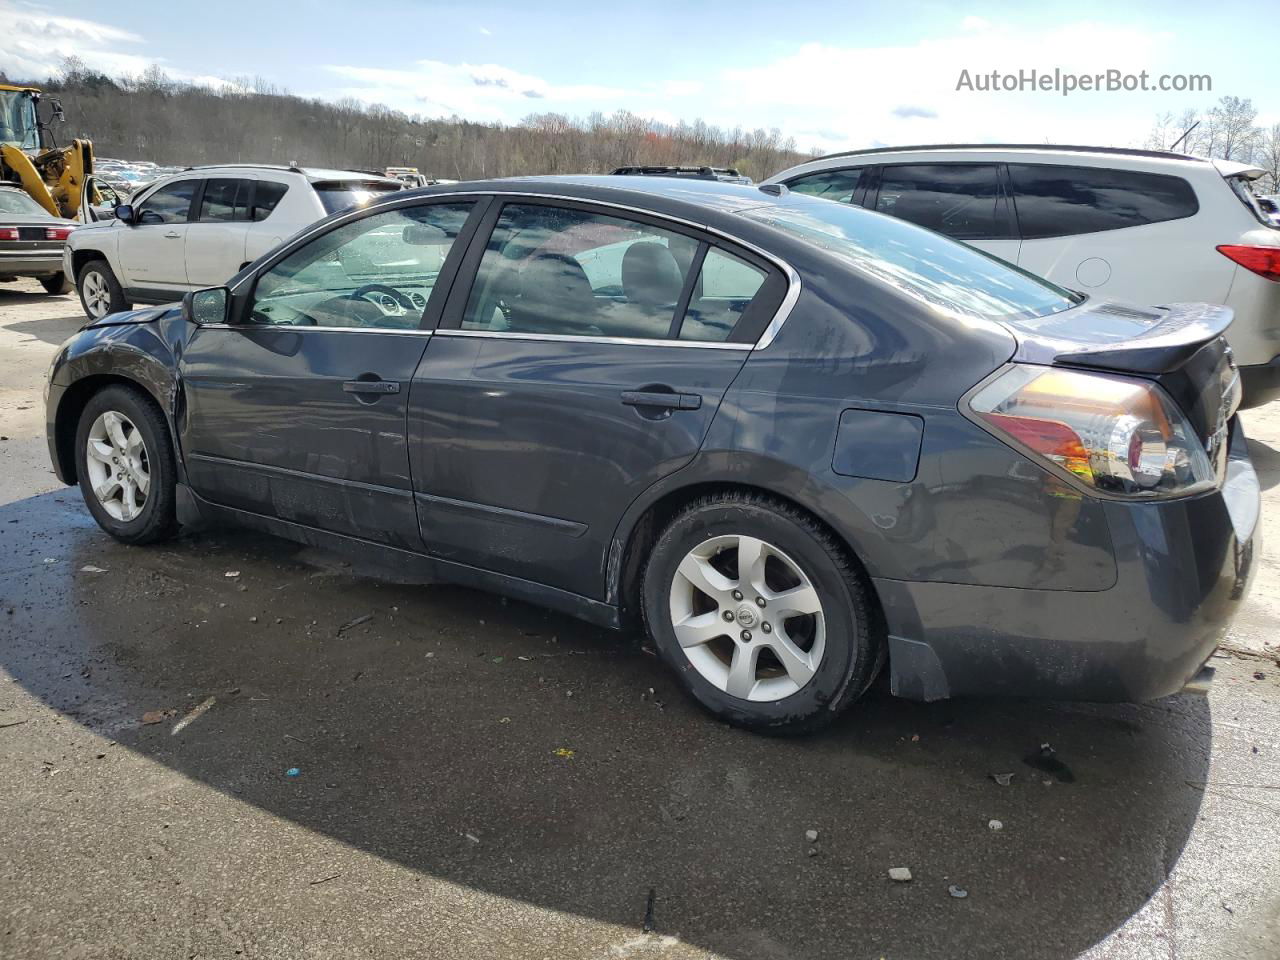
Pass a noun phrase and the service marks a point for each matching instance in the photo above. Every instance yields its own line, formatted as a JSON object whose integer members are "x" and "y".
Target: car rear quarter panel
{"x": 976, "y": 511}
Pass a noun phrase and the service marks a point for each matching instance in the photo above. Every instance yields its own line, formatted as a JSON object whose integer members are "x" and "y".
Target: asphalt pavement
{"x": 231, "y": 745}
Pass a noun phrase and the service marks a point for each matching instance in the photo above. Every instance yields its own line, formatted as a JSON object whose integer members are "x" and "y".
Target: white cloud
{"x": 475, "y": 91}
{"x": 34, "y": 41}
{"x": 485, "y": 31}
{"x": 847, "y": 97}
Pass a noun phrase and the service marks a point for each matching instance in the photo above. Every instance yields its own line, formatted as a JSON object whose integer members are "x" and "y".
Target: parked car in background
{"x": 31, "y": 241}
{"x": 723, "y": 174}
{"x": 1271, "y": 207}
{"x": 1142, "y": 226}
{"x": 202, "y": 226}
{"x": 795, "y": 438}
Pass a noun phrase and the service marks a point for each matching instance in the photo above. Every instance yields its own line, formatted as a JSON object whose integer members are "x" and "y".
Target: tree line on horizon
{"x": 152, "y": 117}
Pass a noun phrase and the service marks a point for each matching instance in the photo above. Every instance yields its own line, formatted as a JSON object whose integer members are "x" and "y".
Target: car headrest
{"x": 650, "y": 275}
{"x": 555, "y": 290}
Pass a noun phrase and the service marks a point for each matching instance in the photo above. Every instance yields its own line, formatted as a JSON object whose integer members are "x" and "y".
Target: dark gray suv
{"x": 797, "y": 440}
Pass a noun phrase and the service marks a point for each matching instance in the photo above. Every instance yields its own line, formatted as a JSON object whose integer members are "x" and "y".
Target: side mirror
{"x": 58, "y": 113}
{"x": 206, "y": 306}
{"x": 124, "y": 213}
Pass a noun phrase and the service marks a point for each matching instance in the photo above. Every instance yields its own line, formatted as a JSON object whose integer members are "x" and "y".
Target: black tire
{"x": 116, "y": 298}
{"x": 157, "y": 519}
{"x": 854, "y": 641}
{"x": 56, "y": 285}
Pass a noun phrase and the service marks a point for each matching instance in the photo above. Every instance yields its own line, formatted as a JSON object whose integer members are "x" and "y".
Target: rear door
{"x": 583, "y": 354}
{"x": 964, "y": 201}
{"x": 216, "y": 234}
{"x": 298, "y": 410}
{"x": 152, "y": 250}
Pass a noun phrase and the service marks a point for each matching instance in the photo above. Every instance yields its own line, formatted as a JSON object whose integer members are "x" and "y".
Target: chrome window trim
{"x": 573, "y": 338}
{"x": 299, "y": 328}
{"x": 762, "y": 342}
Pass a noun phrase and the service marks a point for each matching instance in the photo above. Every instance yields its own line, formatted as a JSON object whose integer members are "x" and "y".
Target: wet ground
{"x": 234, "y": 746}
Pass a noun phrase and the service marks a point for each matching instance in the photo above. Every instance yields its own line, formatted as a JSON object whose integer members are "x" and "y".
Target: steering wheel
{"x": 369, "y": 290}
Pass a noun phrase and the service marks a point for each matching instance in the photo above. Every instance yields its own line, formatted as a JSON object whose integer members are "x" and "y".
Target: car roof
{"x": 1017, "y": 148}
{"x": 313, "y": 174}
{"x": 622, "y": 189}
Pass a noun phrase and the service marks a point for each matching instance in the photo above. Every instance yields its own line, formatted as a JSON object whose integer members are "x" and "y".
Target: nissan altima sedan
{"x": 797, "y": 441}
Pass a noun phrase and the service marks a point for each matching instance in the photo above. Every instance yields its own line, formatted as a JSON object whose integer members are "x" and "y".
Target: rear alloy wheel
{"x": 125, "y": 465}
{"x": 761, "y": 612}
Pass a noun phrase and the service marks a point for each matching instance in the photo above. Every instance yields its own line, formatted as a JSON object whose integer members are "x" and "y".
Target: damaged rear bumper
{"x": 1183, "y": 570}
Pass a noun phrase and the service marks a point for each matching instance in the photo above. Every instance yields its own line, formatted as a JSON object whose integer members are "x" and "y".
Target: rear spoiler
{"x": 1140, "y": 340}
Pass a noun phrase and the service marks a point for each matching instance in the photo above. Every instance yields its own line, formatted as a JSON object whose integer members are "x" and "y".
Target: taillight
{"x": 8, "y": 233}
{"x": 1118, "y": 436}
{"x": 1264, "y": 261}
{"x": 57, "y": 233}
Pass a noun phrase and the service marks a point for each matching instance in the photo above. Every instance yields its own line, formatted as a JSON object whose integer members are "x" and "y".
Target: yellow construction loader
{"x": 54, "y": 176}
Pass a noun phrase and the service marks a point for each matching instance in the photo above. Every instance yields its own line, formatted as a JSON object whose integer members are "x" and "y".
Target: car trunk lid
{"x": 1179, "y": 345}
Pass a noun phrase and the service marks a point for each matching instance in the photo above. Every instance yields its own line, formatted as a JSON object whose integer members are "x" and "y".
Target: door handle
{"x": 172, "y": 235}
{"x": 658, "y": 398}
{"x": 380, "y": 387}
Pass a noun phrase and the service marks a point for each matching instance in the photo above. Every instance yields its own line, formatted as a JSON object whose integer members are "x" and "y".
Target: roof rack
{"x": 1127, "y": 151}
{"x": 292, "y": 167}
{"x": 700, "y": 173}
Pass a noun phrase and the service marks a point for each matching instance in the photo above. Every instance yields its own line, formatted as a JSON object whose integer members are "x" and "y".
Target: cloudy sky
{"x": 832, "y": 74}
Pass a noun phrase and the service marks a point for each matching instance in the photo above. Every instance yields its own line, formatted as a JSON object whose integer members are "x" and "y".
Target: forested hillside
{"x": 154, "y": 118}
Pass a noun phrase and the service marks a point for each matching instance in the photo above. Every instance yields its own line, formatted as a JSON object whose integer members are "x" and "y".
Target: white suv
{"x": 199, "y": 228}
{"x": 1134, "y": 225}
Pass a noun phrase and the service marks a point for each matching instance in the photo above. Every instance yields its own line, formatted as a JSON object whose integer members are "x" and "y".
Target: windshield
{"x": 18, "y": 120}
{"x": 948, "y": 275}
{"x": 340, "y": 196}
{"x": 11, "y": 201}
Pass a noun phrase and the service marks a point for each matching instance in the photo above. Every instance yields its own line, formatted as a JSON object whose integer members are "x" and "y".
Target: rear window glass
{"x": 340, "y": 196}
{"x": 1240, "y": 187}
{"x": 13, "y": 202}
{"x": 1061, "y": 201}
{"x": 926, "y": 266}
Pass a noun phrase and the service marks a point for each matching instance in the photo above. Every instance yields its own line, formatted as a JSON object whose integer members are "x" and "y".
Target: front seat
{"x": 555, "y": 297}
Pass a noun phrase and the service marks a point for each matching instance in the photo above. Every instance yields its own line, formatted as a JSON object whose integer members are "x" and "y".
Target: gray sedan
{"x": 793, "y": 441}
{"x": 31, "y": 241}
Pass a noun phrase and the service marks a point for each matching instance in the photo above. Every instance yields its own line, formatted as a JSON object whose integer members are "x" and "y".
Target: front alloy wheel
{"x": 96, "y": 293}
{"x": 118, "y": 465}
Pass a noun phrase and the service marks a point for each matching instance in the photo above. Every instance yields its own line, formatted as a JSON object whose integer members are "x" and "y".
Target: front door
{"x": 152, "y": 251}
{"x": 298, "y": 410}
{"x": 584, "y": 363}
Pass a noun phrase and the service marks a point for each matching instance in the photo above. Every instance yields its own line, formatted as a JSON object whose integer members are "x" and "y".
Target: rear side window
{"x": 960, "y": 200}
{"x": 839, "y": 185}
{"x": 725, "y": 288}
{"x": 1062, "y": 201}
{"x": 225, "y": 200}
{"x": 170, "y": 204}
{"x": 267, "y": 195}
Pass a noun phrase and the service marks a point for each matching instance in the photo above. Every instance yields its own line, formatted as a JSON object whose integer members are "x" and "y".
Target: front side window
{"x": 960, "y": 200}
{"x": 838, "y": 185}
{"x": 374, "y": 272}
{"x": 1063, "y": 201}
{"x": 569, "y": 272}
{"x": 170, "y": 204}
{"x": 225, "y": 200}
{"x": 952, "y": 277}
